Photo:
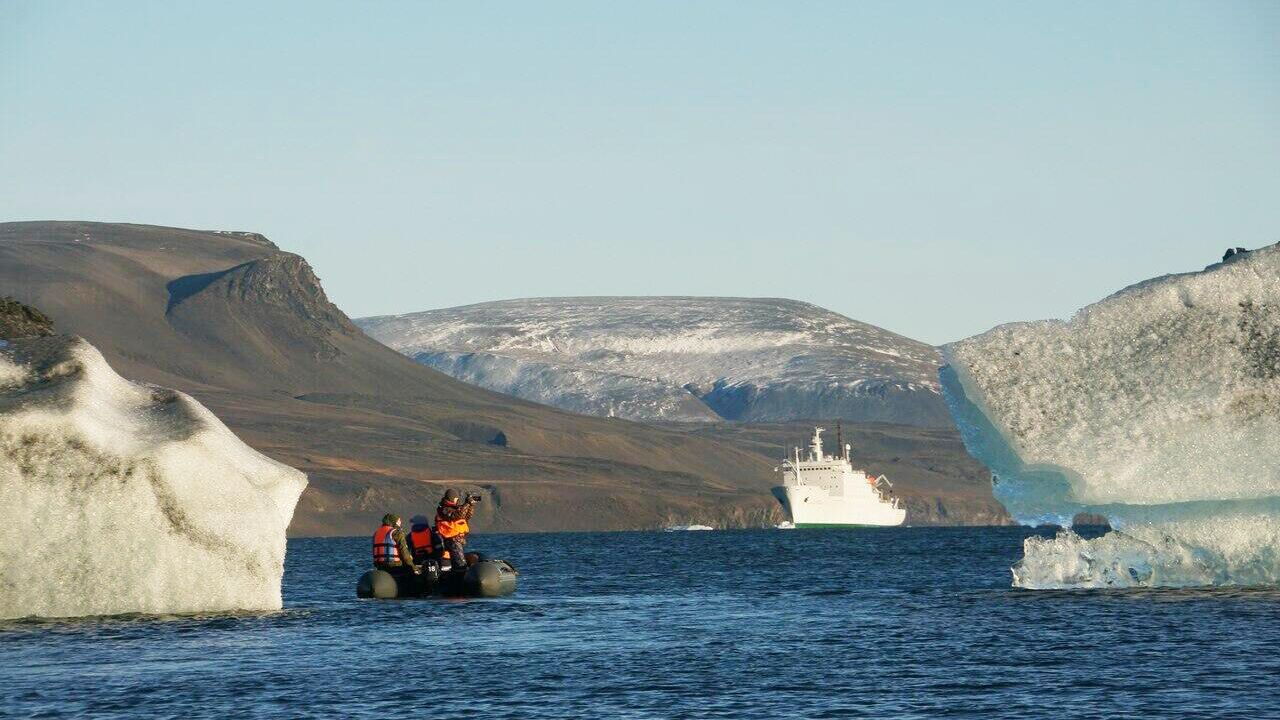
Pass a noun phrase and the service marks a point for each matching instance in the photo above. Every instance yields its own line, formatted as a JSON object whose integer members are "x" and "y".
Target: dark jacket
{"x": 461, "y": 511}
{"x": 453, "y": 513}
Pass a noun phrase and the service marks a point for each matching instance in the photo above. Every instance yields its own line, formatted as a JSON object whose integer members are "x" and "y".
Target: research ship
{"x": 822, "y": 490}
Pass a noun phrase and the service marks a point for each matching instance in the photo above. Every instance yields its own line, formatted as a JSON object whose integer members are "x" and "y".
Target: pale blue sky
{"x": 934, "y": 168}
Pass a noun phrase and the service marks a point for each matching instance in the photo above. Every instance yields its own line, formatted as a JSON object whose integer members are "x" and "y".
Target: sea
{"x": 874, "y": 623}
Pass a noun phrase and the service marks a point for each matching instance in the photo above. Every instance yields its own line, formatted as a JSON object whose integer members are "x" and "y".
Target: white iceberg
{"x": 1158, "y": 408}
{"x": 118, "y": 497}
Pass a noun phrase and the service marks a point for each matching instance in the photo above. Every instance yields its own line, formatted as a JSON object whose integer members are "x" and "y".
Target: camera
{"x": 473, "y": 498}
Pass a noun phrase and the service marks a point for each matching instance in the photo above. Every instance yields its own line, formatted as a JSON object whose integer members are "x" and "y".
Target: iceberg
{"x": 118, "y": 497}
{"x": 1157, "y": 408}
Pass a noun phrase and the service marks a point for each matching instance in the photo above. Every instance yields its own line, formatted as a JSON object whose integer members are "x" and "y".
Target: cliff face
{"x": 282, "y": 284}
{"x": 276, "y": 305}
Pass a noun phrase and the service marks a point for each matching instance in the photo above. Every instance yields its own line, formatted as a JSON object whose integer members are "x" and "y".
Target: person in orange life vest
{"x": 423, "y": 539}
{"x": 452, "y": 524}
{"x": 390, "y": 550}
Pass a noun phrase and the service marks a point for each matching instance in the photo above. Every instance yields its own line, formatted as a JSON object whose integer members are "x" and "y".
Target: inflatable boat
{"x": 484, "y": 579}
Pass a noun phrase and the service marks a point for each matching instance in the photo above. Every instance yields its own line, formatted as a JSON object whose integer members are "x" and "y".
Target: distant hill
{"x": 248, "y": 330}
{"x": 678, "y": 358}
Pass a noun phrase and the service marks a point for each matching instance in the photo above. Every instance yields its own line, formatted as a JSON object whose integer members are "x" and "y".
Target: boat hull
{"x": 811, "y": 508}
{"x": 486, "y": 578}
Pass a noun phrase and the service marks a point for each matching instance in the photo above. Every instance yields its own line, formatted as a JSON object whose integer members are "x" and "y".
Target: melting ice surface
{"x": 117, "y": 497}
{"x": 1158, "y": 408}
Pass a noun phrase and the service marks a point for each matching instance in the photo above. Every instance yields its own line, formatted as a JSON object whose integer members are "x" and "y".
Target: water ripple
{"x": 899, "y": 623}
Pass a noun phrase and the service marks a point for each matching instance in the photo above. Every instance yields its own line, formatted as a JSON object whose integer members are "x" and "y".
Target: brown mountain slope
{"x": 247, "y": 329}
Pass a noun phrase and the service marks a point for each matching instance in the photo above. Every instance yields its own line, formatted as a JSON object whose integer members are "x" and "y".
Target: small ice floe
{"x": 682, "y": 528}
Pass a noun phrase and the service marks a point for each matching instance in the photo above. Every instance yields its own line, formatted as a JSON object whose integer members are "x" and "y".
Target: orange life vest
{"x": 451, "y": 528}
{"x": 385, "y": 551}
{"x": 422, "y": 543}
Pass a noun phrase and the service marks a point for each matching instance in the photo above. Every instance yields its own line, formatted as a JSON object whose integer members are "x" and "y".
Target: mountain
{"x": 678, "y": 358}
{"x": 247, "y": 330}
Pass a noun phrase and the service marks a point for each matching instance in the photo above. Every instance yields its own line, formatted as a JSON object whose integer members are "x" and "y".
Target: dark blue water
{"x": 805, "y": 624}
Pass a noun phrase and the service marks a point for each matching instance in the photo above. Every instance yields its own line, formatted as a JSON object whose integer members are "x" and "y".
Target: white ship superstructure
{"x": 822, "y": 490}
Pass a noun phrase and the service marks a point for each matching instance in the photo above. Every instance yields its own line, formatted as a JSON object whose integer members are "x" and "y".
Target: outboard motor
{"x": 431, "y": 570}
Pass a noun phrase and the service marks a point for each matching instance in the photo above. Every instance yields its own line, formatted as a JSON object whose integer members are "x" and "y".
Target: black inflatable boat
{"x": 486, "y": 578}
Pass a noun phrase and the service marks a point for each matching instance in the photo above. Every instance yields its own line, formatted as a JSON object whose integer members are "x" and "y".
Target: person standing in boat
{"x": 453, "y": 526}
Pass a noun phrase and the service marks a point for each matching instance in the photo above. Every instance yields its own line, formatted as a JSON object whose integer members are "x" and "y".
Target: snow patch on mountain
{"x": 677, "y": 358}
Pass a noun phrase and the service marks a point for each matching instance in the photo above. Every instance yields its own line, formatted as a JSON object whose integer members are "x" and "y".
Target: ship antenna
{"x": 839, "y": 441}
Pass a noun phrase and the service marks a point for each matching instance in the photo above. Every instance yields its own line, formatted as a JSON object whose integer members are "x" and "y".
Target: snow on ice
{"x": 119, "y": 497}
{"x": 1158, "y": 408}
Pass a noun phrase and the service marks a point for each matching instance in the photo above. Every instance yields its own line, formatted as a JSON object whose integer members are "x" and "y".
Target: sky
{"x": 935, "y": 168}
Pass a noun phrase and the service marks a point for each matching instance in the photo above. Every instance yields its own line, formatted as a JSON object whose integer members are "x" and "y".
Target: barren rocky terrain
{"x": 247, "y": 329}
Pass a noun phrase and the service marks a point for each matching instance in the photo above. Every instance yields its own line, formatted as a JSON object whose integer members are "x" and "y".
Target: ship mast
{"x": 815, "y": 445}
{"x": 840, "y": 443}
